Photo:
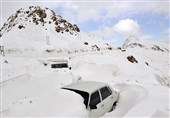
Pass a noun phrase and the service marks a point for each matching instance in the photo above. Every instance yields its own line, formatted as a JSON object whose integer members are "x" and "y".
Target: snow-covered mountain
{"x": 40, "y": 29}
{"x": 133, "y": 42}
{"x": 154, "y": 54}
{"x": 39, "y": 16}
{"x": 36, "y": 27}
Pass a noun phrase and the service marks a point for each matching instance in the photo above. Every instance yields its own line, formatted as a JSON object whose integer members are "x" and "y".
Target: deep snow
{"x": 29, "y": 88}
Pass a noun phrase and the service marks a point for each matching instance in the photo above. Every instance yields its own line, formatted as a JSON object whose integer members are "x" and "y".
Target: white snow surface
{"x": 31, "y": 89}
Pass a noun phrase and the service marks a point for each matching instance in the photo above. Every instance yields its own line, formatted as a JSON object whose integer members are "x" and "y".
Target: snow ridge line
{"x": 14, "y": 78}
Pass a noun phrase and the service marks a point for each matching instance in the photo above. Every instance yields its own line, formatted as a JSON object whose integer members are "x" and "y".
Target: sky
{"x": 113, "y": 20}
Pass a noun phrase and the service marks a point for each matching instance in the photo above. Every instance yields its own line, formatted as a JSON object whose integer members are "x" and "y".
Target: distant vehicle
{"x": 57, "y": 63}
{"x": 99, "y": 98}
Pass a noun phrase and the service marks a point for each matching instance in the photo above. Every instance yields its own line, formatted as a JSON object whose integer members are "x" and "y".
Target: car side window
{"x": 94, "y": 99}
{"x": 105, "y": 92}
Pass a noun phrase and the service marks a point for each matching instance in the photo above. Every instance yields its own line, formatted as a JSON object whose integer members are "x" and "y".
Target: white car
{"x": 99, "y": 98}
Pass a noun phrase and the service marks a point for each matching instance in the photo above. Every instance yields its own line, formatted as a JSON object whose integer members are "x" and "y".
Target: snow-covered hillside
{"x": 43, "y": 31}
{"x": 133, "y": 42}
{"x": 154, "y": 54}
{"x": 139, "y": 70}
{"x": 36, "y": 27}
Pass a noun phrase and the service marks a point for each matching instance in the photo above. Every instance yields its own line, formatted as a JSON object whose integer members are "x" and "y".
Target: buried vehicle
{"x": 98, "y": 97}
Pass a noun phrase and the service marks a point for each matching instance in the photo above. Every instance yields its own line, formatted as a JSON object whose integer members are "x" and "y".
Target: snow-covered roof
{"x": 58, "y": 60}
{"x": 86, "y": 86}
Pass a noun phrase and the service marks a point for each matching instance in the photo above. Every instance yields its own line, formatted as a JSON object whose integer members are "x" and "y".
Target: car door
{"x": 107, "y": 98}
{"x": 95, "y": 105}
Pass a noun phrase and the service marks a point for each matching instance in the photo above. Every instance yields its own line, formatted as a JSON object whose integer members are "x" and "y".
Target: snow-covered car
{"x": 99, "y": 98}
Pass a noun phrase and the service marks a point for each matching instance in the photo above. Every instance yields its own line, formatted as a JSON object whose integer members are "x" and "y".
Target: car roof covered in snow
{"x": 85, "y": 86}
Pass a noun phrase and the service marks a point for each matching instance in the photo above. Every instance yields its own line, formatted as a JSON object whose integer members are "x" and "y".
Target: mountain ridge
{"x": 133, "y": 42}
{"x": 38, "y": 16}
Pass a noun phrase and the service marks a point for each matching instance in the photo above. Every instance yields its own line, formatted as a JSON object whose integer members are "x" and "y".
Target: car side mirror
{"x": 93, "y": 106}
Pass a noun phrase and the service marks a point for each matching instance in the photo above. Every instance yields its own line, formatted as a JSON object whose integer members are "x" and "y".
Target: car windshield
{"x": 85, "y": 95}
{"x": 95, "y": 99}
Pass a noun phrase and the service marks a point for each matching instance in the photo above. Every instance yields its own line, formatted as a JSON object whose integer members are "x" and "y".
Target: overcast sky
{"x": 114, "y": 20}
